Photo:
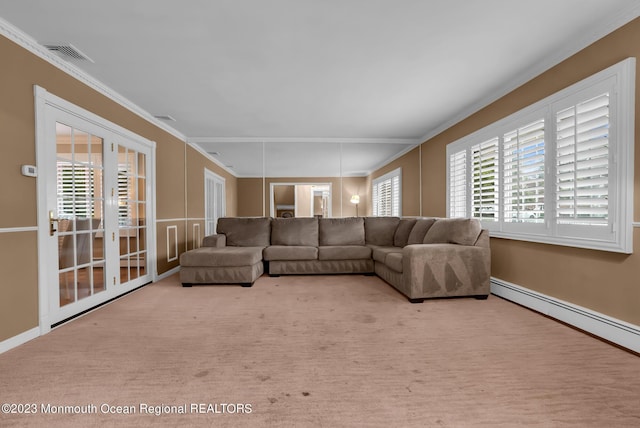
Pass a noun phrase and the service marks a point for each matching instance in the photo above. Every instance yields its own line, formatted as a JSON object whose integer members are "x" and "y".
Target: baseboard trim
{"x": 611, "y": 329}
{"x": 168, "y": 273}
{"x": 19, "y": 339}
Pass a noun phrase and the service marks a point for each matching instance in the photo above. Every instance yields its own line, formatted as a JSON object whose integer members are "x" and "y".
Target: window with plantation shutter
{"x": 386, "y": 191}
{"x": 458, "y": 184}
{"x": 524, "y": 169}
{"x": 582, "y": 162}
{"x": 74, "y": 190}
{"x": 559, "y": 171}
{"x": 485, "y": 170}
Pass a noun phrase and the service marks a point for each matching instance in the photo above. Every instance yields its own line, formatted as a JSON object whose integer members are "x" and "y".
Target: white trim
{"x": 565, "y": 51}
{"x": 169, "y": 273}
{"x": 171, "y": 220}
{"x": 611, "y": 329}
{"x": 19, "y": 339}
{"x": 18, "y": 229}
{"x": 311, "y": 140}
{"x": 175, "y": 234}
{"x": 636, "y": 224}
{"x": 28, "y": 43}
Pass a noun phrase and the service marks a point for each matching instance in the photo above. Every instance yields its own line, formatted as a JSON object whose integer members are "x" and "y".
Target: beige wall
{"x": 20, "y": 71}
{"x": 602, "y": 281}
{"x": 250, "y": 194}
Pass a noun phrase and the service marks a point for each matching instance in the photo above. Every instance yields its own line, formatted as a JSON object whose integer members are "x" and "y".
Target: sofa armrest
{"x": 444, "y": 270}
{"x": 218, "y": 240}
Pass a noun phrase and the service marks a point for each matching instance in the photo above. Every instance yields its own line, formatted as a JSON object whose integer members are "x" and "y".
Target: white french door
{"x": 215, "y": 201}
{"x": 94, "y": 206}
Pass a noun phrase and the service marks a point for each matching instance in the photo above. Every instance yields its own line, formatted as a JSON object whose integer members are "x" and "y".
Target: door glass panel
{"x": 131, "y": 213}
{"x": 80, "y": 207}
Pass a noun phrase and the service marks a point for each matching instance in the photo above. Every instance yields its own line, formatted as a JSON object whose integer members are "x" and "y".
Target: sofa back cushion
{"x": 419, "y": 230}
{"x": 401, "y": 236}
{"x": 380, "y": 230}
{"x": 245, "y": 231}
{"x": 341, "y": 231}
{"x": 299, "y": 231}
{"x": 462, "y": 231}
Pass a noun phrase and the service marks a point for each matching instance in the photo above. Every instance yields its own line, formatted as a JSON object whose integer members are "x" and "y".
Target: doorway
{"x": 94, "y": 209}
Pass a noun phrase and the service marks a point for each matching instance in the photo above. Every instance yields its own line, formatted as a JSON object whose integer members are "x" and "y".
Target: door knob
{"x": 52, "y": 219}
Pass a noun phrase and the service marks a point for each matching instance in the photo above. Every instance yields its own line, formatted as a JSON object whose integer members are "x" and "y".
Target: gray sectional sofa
{"x": 421, "y": 257}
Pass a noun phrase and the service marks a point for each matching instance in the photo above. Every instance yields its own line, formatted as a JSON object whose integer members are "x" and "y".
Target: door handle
{"x": 52, "y": 219}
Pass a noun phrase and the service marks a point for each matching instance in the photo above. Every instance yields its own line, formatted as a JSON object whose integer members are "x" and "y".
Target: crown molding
{"x": 566, "y": 50}
{"x": 207, "y": 155}
{"x": 27, "y": 42}
{"x": 311, "y": 140}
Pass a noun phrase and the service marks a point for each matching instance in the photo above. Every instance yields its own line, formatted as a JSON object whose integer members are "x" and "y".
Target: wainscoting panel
{"x": 172, "y": 243}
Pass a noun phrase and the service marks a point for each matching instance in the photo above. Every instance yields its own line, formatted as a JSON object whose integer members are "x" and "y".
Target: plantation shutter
{"x": 124, "y": 200}
{"x": 485, "y": 180}
{"x": 386, "y": 193}
{"x": 583, "y": 163}
{"x": 458, "y": 184}
{"x": 74, "y": 185}
{"x": 523, "y": 173}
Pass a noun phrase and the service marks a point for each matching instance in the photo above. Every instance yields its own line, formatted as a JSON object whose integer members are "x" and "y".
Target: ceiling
{"x": 296, "y": 88}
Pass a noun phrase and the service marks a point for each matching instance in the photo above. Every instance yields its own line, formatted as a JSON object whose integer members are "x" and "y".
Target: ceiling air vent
{"x": 165, "y": 117}
{"x": 67, "y": 51}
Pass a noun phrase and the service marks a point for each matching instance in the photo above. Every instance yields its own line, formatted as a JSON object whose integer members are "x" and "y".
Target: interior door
{"x": 97, "y": 207}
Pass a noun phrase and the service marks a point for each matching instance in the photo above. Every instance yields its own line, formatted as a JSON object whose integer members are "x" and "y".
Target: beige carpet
{"x": 311, "y": 351}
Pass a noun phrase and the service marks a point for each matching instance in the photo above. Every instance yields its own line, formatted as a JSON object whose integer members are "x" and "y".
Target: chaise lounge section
{"x": 422, "y": 258}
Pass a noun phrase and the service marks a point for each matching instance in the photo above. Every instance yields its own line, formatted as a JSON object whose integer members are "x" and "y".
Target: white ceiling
{"x": 306, "y": 80}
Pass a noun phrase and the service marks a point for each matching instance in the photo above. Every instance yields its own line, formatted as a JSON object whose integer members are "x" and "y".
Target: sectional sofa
{"x": 421, "y": 257}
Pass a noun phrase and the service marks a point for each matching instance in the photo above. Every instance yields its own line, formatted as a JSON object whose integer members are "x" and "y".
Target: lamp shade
{"x": 355, "y": 199}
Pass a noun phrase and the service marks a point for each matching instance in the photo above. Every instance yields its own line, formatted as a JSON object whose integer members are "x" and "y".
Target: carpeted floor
{"x": 317, "y": 351}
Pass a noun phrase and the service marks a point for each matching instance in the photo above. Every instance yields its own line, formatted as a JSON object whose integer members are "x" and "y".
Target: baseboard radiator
{"x": 611, "y": 329}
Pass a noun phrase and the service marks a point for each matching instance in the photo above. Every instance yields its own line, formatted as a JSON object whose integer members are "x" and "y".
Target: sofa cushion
{"x": 461, "y": 231}
{"x": 394, "y": 261}
{"x": 222, "y": 257}
{"x": 245, "y": 231}
{"x": 379, "y": 254}
{"x": 344, "y": 252}
{"x": 380, "y": 230}
{"x": 419, "y": 230}
{"x": 401, "y": 236}
{"x": 301, "y": 231}
{"x": 290, "y": 252}
{"x": 341, "y": 231}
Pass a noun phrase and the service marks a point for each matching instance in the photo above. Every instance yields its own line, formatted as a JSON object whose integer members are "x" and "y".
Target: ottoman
{"x": 226, "y": 265}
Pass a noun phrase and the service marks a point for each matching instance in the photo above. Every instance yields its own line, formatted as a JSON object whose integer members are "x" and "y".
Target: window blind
{"x": 386, "y": 195}
{"x": 74, "y": 190}
{"x": 563, "y": 172}
{"x": 458, "y": 184}
{"x": 524, "y": 169}
{"x": 582, "y": 185}
{"x": 485, "y": 170}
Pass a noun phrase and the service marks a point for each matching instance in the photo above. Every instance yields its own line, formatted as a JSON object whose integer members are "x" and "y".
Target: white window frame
{"x": 617, "y": 236}
{"x": 396, "y": 200}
